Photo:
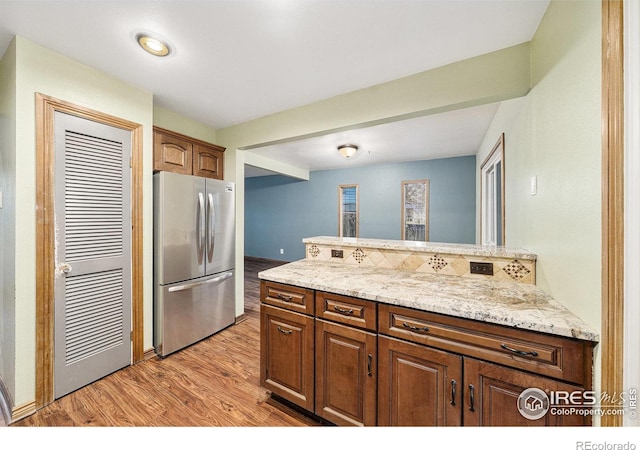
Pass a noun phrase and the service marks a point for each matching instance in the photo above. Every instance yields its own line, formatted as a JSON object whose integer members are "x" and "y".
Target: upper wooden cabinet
{"x": 174, "y": 152}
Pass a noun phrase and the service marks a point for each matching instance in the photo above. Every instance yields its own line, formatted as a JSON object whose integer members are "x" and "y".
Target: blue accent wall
{"x": 281, "y": 211}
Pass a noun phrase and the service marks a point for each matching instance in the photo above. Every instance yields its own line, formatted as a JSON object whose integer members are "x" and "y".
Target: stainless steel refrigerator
{"x": 194, "y": 254}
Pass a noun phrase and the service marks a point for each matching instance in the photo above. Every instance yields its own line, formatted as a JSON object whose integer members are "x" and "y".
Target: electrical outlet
{"x": 337, "y": 254}
{"x": 481, "y": 268}
{"x": 282, "y": 251}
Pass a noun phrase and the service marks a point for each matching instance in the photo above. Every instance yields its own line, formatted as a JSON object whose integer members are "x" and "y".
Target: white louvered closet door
{"x": 93, "y": 252}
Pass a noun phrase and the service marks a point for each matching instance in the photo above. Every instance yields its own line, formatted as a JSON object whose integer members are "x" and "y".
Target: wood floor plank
{"x": 213, "y": 383}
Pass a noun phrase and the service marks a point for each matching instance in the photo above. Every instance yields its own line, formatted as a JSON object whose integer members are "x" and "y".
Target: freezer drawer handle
{"x": 184, "y": 287}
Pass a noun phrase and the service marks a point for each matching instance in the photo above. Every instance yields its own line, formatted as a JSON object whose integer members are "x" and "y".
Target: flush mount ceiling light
{"x": 152, "y": 45}
{"x": 348, "y": 150}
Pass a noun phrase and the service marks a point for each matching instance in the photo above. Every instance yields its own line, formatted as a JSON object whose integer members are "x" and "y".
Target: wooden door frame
{"x": 46, "y": 107}
{"x": 612, "y": 352}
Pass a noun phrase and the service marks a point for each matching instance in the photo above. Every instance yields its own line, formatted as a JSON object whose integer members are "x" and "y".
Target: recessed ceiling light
{"x": 152, "y": 45}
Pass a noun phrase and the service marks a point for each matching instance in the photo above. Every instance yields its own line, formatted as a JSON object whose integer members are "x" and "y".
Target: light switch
{"x": 0, "y": 199}
{"x": 534, "y": 185}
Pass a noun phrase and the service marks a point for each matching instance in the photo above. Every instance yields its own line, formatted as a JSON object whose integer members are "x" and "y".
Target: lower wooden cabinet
{"x": 354, "y": 362}
{"x": 492, "y": 391}
{"x": 421, "y": 386}
{"x": 287, "y": 355}
{"x": 418, "y": 385}
{"x": 346, "y": 374}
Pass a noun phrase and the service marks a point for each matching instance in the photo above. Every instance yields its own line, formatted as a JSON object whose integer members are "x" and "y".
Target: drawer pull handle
{"x": 412, "y": 328}
{"x": 369, "y": 362}
{"x": 472, "y": 398}
{"x": 283, "y": 331}
{"x": 453, "y": 392}
{"x": 343, "y": 310}
{"x": 286, "y": 298}
{"x": 519, "y": 352}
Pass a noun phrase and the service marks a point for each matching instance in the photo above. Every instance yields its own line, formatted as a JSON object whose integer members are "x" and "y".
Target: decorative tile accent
{"x": 516, "y": 270}
{"x": 437, "y": 263}
{"x": 359, "y": 255}
{"x": 314, "y": 251}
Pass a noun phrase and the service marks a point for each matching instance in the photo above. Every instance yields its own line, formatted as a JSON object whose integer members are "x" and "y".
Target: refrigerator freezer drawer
{"x": 185, "y": 313}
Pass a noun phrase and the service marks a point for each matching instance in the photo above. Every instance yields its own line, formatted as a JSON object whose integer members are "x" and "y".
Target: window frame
{"x": 492, "y": 202}
{"x": 403, "y": 219}
{"x": 341, "y": 212}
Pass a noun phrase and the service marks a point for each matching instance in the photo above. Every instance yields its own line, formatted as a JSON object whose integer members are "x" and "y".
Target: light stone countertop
{"x": 515, "y": 305}
{"x": 430, "y": 247}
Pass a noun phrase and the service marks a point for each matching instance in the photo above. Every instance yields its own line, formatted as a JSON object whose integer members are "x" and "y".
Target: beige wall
{"x": 484, "y": 79}
{"x": 169, "y": 120}
{"x": 47, "y": 72}
{"x": 554, "y": 134}
{"x": 7, "y": 218}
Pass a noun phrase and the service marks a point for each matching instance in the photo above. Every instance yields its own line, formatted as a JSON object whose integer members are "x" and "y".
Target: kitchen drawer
{"x": 553, "y": 356}
{"x": 347, "y": 310}
{"x": 288, "y": 297}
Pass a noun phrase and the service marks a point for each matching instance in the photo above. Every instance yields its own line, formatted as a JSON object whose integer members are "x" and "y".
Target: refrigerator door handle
{"x": 211, "y": 227}
{"x": 201, "y": 227}
{"x": 184, "y": 287}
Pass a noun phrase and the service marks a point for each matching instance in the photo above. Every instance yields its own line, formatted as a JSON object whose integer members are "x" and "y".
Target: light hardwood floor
{"x": 214, "y": 383}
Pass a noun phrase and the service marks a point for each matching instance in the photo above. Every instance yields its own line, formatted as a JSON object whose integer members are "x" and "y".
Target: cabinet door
{"x": 172, "y": 154}
{"x": 346, "y": 379}
{"x": 286, "y": 355}
{"x": 418, "y": 385}
{"x": 207, "y": 162}
{"x": 492, "y": 391}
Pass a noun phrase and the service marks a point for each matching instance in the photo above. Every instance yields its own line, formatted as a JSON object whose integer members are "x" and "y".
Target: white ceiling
{"x": 455, "y": 133}
{"x": 236, "y": 60}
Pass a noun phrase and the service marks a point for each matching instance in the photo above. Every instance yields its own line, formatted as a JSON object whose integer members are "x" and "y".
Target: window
{"x": 415, "y": 210}
{"x": 348, "y": 216}
{"x": 492, "y": 196}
